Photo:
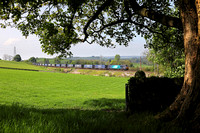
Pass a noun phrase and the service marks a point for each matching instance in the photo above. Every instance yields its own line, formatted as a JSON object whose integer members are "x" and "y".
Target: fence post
{"x": 127, "y": 97}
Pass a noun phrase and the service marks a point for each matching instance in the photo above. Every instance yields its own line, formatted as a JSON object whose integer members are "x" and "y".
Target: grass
{"x": 20, "y": 65}
{"x": 19, "y": 119}
{"x": 59, "y": 90}
{"x": 32, "y": 102}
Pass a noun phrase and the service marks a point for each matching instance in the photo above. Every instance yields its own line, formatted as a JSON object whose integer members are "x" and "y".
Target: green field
{"x": 19, "y": 65}
{"x": 46, "y": 102}
{"x": 59, "y": 90}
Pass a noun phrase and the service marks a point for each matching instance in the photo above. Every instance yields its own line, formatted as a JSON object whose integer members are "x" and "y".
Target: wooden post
{"x": 127, "y": 97}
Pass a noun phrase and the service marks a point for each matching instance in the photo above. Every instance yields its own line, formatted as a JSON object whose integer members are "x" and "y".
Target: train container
{"x": 49, "y": 65}
{"x": 88, "y": 66}
{"x": 63, "y": 65}
{"x": 45, "y": 64}
{"x": 100, "y": 66}
{"x": 53, "y": 65}
{"x": 70, "y": 65}
{"x": 58, "y": 65}
{"x": 78, "y": 66}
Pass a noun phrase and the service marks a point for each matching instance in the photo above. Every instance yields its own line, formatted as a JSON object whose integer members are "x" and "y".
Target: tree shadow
{"x": 106, "y": 104}
{"x": 18, "y": 118}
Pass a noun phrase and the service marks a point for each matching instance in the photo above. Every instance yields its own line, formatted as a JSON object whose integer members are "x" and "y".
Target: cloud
{"x": 11, "y": 41}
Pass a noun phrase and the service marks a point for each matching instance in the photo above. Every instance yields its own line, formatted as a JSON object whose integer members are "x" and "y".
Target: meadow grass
{"x": 19, "y": 119}
{"x": 60, "y": 90}
{"x": 32, "y": 102}
{"x": 20, "y": 65}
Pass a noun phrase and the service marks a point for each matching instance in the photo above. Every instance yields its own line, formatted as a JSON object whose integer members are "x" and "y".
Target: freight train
{"x": 88, "y": 66}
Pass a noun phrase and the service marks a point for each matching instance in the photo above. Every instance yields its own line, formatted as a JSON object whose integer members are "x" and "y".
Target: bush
{"x": 152, "y": 94}
{"x": 140, "y": 74}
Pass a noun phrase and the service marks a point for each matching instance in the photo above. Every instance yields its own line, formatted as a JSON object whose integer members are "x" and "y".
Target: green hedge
{"x": 152, "y": 94}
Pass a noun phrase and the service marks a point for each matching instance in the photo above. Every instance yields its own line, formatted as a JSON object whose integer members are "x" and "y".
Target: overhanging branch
{"x": 95, "y": 15}
{"x": 168, "y": 21}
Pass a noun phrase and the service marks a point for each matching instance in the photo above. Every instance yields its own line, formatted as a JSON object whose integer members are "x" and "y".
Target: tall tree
{"x": 117, "y": 58}
{"x": 17, "y": 58}
{"x": 32, "y": 60}
{"x": 62, "y": 23}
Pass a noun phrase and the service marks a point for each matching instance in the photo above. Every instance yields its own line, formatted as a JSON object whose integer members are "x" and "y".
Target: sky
{"x": 31, "y": 47}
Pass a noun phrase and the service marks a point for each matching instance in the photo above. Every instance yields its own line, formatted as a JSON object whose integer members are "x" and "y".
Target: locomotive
{"x": 87, "y": 66}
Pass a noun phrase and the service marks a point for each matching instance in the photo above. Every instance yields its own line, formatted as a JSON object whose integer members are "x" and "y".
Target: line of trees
{"x": 116, "y": 61}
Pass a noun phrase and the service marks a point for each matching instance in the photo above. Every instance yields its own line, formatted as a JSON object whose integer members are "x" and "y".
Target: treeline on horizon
{"x": 131, "y": 62}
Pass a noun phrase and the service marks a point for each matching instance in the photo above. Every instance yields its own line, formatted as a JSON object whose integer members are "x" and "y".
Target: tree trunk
{"x": 186, "y": 107}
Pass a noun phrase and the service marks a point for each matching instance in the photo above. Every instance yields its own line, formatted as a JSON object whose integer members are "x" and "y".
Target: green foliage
{"x": 60, "y": 24}
{"x": 140, "y": 75}
{"x": 32, "y": 60}
{"x": 46, "y": 61}
{"x": 167, "y": 49}
{"x": 57, "y": 60}
{"x": 117, "y": 57}
{"x": 175, "y": 72}
{"x": 113, "y": 62}
{"x": 17, "y": 58}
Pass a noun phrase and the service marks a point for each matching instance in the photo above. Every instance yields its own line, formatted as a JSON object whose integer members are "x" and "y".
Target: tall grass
{"x": 19, "y": 119}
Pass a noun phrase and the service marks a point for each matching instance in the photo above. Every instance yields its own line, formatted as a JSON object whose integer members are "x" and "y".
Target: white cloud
{"x": 11, "y": 41}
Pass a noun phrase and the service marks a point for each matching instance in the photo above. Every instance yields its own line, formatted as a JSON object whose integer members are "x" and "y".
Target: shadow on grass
{"x": 106, "y": 104}
{"x": 17, "y": 118}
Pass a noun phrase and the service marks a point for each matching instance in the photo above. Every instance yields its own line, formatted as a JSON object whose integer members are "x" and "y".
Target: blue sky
{"x": 31, "y": 46}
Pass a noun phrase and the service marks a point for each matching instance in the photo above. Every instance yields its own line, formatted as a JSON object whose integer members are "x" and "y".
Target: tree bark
{"x": 186, "y": 107}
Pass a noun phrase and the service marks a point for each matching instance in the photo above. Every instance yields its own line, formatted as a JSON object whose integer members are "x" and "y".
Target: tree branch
{"x": 95, "y": 15}
{"x": 129, "y": 21}
{"x": 168, "y": 21}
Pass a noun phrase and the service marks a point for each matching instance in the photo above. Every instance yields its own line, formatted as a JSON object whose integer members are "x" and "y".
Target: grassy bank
{"x": 19, "y": 65}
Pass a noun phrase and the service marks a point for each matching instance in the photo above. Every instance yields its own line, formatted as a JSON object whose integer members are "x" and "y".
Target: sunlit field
{"x": 61, "y": 102}
{"x": 60, "y": 90}
{"x": 19, "y": 65}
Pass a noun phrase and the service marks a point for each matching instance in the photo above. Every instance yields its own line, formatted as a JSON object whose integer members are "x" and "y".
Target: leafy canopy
{"x": 62, "y": 23}
{"x": 167, "y": 49}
